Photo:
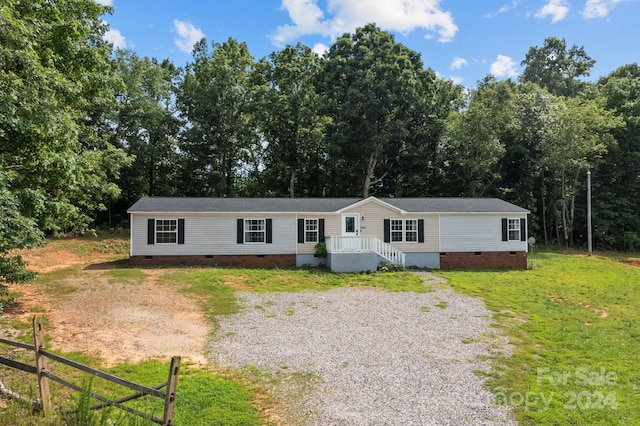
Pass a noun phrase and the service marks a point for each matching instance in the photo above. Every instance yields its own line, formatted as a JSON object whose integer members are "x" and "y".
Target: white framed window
{"x": 396, "y": 230}
{"x": 255, "y": 231}
{"x": 311, "y": 230}
{"x": 402, "y": 230}
{"x": 166, "y": 231}
{"x": 411, "y": 230}
{"x": 513, "y": 229}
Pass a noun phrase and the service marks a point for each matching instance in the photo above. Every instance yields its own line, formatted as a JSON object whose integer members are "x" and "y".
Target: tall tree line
{"x": 85, "y": 130}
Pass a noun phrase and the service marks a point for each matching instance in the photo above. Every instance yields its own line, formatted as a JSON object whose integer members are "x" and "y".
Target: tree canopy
{"x": 57, "y": 96}
{"x": 86, "y": 129}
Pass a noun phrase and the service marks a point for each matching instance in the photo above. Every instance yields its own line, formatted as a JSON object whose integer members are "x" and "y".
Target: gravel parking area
{"x": 371, "y": 357}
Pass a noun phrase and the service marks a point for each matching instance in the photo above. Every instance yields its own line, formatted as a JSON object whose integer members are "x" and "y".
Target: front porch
{"x": 360, "y": 253}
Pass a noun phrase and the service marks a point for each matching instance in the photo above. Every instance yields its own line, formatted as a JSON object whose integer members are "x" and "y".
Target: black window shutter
{"x": 421, "y": 230}
{"x": 151, "y": 231}
{"x": 505, "y": 234}
{"x": 321, "y": 230}
{"x": 387, "y": 230}
{"x": 269, "y": 231}
{"x": 180, "y": 231}
{"x": 300, "y": 231}
{"x": 240, "y": 231}
{"x": 523, "y": 229}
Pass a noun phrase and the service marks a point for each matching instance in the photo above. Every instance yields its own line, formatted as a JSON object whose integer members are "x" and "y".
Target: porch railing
{"x": 365, "y": 244}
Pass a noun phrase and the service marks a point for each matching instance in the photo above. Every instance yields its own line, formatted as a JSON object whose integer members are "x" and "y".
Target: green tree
{"x": 577, "y": 137}
{"x": 215, "y": 99}
{"x": 16, "y": 231}
{"x": 473, "y": 145}
{"x": 557, "y": 69}
{"x": 146, "y": 126}
{"x": 368, "y": 83}
{"x": 56, "y": 98}
{"x": 524, "y": 179}
{"x": 418, "y": 168}
{"x": 290, "y": 122}
{"x": 616, "y": 181}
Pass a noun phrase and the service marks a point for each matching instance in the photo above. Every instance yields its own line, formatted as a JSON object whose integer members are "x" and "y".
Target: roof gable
{"x": 372, "y": 200}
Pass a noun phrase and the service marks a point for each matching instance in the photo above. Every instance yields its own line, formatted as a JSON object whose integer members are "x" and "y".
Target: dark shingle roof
{"x": 454, "y": 205}
{"x": 320, "y": 205}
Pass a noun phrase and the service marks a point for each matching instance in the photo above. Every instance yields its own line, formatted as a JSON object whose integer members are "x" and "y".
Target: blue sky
{"x": 460, "y": 40}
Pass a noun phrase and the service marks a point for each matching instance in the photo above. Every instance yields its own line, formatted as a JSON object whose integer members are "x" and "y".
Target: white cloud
{"x": 509, "y": 7}
{"x": 320, "y": 49}
{"x": 504, "y": 9}
{"x": 344, "y": 16}
{"x": 105, "y": 2}
{"x": 114, "y": 37}
{"x": 599, "y": 8}
{"x": 504, "y": 66}
{"x": 557, "y": 9}
{"x": 188, "y": 35}
{"x": 458, "y": 63}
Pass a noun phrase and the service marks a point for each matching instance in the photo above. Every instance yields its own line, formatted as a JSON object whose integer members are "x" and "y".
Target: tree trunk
{"x": 292, "y": 184}
{"x": 572, "y": 219}
{"x": 544, "y": 211}
{"x": 152, "y": 161}
{"x": 564, "y": 213}
{"x": 371, "y": 165}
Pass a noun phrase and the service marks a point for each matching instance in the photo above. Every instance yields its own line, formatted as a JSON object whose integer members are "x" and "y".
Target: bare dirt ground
{"x": 119, "y": 320}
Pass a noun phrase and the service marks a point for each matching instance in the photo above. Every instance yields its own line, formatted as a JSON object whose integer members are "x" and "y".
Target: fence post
{"x": 41, "y": 364}
{"x": 170, "y": 395}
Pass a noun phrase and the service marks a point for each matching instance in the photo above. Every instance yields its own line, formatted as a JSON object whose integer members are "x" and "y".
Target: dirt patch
{"x": 42, "y": 260}
{"x": 632, "y": 262}
{"x": 120, "y": 320}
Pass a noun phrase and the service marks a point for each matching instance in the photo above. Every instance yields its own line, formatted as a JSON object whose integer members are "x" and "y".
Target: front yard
{"x": 573, "y": 322}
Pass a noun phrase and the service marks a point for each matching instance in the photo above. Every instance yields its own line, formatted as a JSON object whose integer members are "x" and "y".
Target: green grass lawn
{"x": 573, "y": 321}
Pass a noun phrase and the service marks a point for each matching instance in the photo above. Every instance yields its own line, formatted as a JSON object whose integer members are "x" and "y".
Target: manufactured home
{"x": 359, "y": 234}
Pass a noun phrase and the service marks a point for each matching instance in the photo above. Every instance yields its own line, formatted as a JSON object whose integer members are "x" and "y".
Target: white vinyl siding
{"x": 372, "y": 216}
{"x": 213, "y": 234}
{"x": 331, "y": 227}
{"x": 475, "y": 232}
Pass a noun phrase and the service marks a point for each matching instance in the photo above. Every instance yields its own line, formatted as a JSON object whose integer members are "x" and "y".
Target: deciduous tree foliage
{"x": 146, "y": 126}
{"x": 369, "y": 83}
{"x": 215, "y": 99}
{"x": 616, "y": 181}
{"x": 474, "y": 143}
{"x": 557, "y": 69}
{"x": 366, "y": 118}
{"x": 56, "y": 95}
{"x": 291, "y": 124}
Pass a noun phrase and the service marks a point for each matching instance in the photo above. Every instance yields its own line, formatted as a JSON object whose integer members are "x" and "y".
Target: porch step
{"x": 366, "y": 244}
{"x": 390, "y": 253}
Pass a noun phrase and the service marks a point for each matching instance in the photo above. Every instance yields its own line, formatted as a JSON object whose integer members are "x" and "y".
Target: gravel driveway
{"x": 371, "y": 357}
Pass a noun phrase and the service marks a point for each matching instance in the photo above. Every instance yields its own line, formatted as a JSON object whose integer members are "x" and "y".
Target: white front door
{"x": 351, "y": 230}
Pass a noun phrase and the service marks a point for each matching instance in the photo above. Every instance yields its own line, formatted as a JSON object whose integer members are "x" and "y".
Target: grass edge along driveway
{"x": 573, "y": 321}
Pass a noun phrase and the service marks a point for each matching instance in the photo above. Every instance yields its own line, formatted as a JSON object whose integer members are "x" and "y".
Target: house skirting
{"x": 484, "y": 260}
{"x": 353, "y": 262}
{"x": 245, "y": 260}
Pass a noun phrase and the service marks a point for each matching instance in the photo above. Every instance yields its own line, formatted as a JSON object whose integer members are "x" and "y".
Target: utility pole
{"x": 589, "y": 241}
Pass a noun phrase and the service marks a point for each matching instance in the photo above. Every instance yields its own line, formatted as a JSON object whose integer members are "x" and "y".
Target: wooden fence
{"x": 43, "y": 375}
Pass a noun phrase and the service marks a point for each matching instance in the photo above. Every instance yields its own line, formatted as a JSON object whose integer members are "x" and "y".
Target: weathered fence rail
{"x": 44, "y": 374}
